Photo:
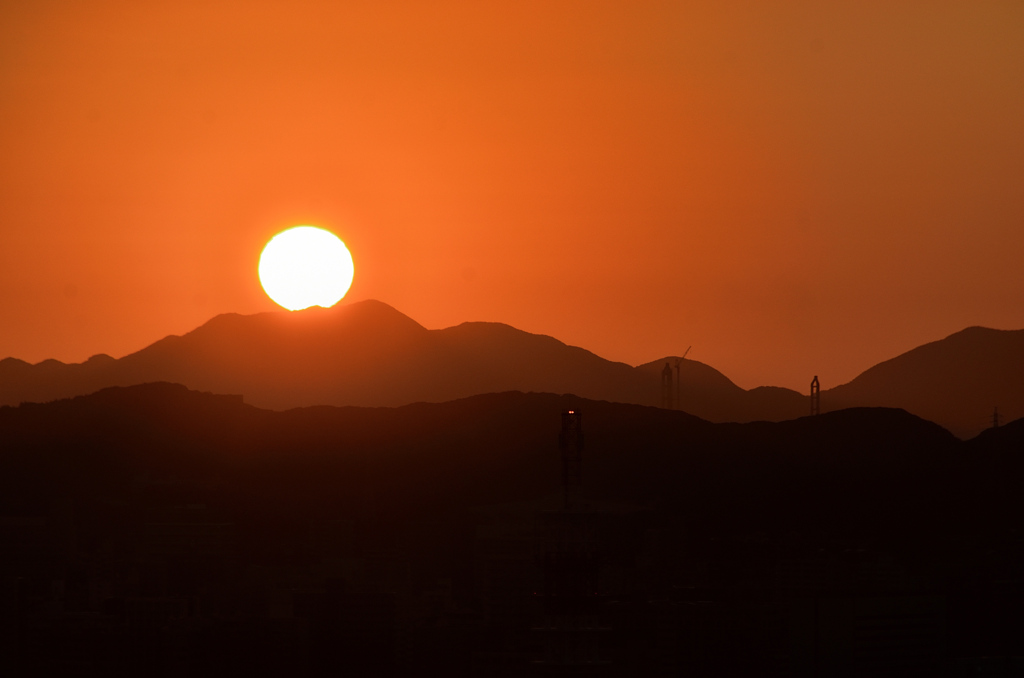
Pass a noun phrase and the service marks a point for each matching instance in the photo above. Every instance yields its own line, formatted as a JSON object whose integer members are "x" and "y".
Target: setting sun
{"x": 306, "y": 266}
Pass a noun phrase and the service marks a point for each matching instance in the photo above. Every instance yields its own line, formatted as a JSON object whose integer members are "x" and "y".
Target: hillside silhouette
{"x": 368, "y": 354}
{"x": 154, "y": 529}
{"x": 957, "y": 381}
{"x": 478, "y": 450}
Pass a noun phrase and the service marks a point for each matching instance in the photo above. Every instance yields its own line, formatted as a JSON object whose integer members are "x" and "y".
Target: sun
{"x": 306, "y": 266}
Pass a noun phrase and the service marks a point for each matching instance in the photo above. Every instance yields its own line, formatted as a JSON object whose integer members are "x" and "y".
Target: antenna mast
{"x": 815, "y": 397}
{"x": 571, "y": 442}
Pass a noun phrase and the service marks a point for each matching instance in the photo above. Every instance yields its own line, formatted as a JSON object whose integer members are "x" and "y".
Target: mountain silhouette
{"x": 874, "y": 471}
{"x": 369, "y": 354}
{"x": 957, "y": 381}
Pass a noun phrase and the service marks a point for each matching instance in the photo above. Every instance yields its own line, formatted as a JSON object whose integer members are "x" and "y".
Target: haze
{"x": 792, "y": 189}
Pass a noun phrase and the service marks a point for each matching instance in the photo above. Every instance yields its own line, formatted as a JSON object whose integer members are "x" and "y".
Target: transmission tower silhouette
{"x": 815, "y": 397}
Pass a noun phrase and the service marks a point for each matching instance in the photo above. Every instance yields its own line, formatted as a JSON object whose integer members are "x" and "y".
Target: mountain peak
{"x": 978, "y": 329}
{"x": 979, "y": 333}
{"x": 956, "y": 381}
{"x": 362, "y": 316}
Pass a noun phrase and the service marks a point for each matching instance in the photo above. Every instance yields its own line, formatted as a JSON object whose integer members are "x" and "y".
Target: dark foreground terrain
{"x": 153, "y": 530}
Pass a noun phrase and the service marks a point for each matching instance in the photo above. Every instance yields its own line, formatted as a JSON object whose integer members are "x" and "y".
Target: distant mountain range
{"x": 369, "y": 354}
{"x": 957, "y": 382}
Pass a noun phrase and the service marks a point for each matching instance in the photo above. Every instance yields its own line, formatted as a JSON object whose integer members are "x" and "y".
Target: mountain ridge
{"x": 366, "y": 353}
{"x": 369, "y": 354}
{"x": 958, "y": 380}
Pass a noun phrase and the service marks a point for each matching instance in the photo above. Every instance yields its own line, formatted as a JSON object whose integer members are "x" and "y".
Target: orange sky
{"x": 793, "y": 188}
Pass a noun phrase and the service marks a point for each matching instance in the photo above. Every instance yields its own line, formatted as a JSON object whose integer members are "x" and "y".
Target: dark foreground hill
{"x": 154, "y": 530}
{"x": 490, "y": 448}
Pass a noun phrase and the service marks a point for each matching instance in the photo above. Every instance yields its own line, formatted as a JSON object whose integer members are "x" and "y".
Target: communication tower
{"x": 569, "y": 555}
{"x": 571, "y": 443}
{"x": 815, "y": 396}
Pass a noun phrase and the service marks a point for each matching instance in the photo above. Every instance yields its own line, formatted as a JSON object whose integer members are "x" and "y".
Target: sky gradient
{"x": 792, "y": 188}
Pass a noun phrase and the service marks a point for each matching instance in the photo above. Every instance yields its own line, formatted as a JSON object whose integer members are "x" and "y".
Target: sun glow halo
{"x": 306, "y": 266}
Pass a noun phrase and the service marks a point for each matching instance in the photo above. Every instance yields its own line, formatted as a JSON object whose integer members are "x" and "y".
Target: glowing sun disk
{"x": 306, "y": 266}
